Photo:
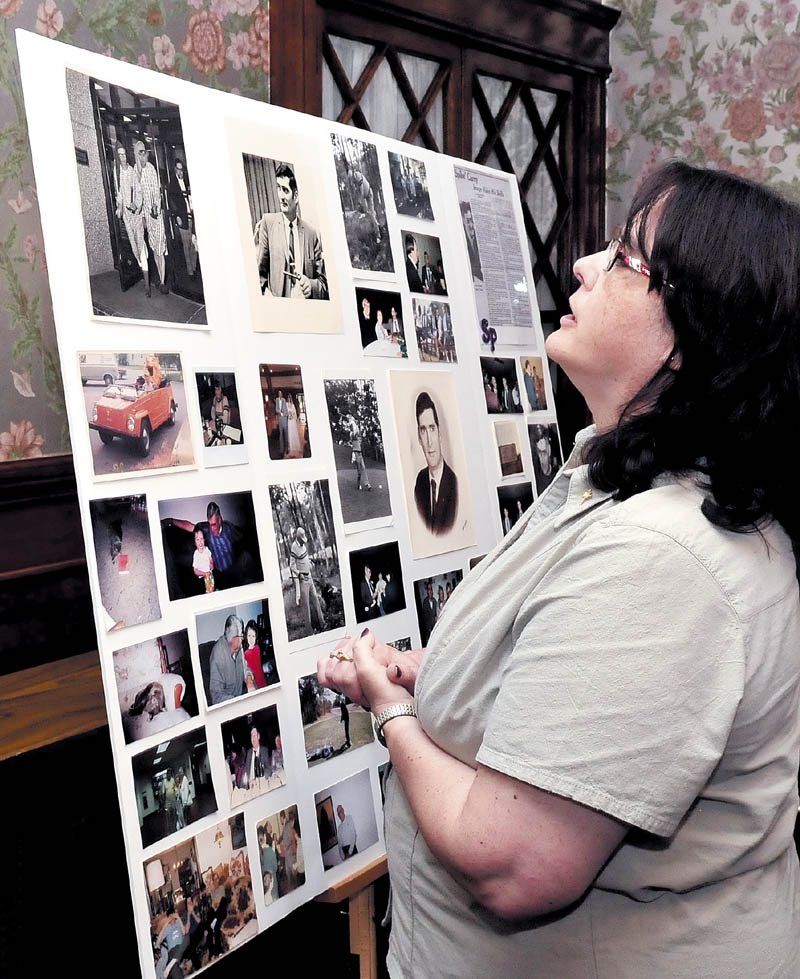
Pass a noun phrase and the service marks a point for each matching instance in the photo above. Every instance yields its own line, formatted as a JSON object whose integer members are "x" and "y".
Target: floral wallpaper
{"x": 221, "y": 43}
{"x": 713, "y": 82}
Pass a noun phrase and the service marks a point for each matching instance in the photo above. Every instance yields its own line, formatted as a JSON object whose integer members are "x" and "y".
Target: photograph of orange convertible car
{"x": 137, "y": 423}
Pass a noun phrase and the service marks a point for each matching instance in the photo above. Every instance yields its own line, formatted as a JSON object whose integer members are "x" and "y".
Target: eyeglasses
{"x": 615, "y": 253}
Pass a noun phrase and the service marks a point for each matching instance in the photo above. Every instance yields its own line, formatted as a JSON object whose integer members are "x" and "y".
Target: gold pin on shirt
{"x": 586, "y": 496}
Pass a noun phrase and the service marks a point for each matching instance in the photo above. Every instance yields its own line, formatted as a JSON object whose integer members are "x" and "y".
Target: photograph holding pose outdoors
{"x": 358, "y": 450}
{"x": 280, "y": 845}
{"x": 136, "y": 199}
{"x": 285, "y": 415}
{"x": 377, "y": 578}
{"x": 380, "y": 323}
{"x": 332, "y": 724}
{"x": 410, "y": 186}
{"x": 359, "y": 177}
{"x": 308, "y": 557}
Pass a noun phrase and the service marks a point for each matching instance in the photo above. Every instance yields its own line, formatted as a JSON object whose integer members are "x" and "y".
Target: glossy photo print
{"x": 285, "y": 416}
{"x": 380, "y": 323}
{"x": 281, "y": 854}
{"x": 410, "y": 186}
{"x": 253, "y": 754}
{"x": 332, "y": 723}
{"x": 346, "y": 820}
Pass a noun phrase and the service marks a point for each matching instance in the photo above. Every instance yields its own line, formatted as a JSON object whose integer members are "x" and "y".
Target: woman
{"x": 602, "y": 777}
{"x": 252, "y": 653}
{"x": 295, "y": 445}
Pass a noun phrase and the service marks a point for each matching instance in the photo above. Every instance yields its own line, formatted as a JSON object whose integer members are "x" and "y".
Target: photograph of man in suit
{"x": 436, "y": 488}
{"x": 256, "y": 763}
{"x": 290, "y": 261}
{"x": 412, "y": 257}
{"x": 282, "y": 411}
{"x": 429, "y": 612}
{"x": 180, "y": 206}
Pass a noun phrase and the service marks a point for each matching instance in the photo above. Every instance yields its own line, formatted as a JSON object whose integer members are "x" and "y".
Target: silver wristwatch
{"x": 396, "y": 710}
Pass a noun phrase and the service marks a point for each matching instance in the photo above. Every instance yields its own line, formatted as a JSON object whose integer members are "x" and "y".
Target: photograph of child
{"x": 546, "y": 453}
{"x": 282, "y": 862}
{"x": 500, "y": 387}
{"x": 380, "y": 323}
{"x": 285, "y": 416}
{"x": 125, "y": 567}
{"x": 346, "y": 819}
{"x": 332, "y": 724}
{"x": 200, "y": 898}
{"x": 175, "y": 791}
{"x": 431, "y": 595}
{"x": 410, "y": 186}
{"x": 424, "y": 266}
{"x": 209, "y": 544}
{"x": 308, "y": 556}
{"x": 377, "y": 577}
{"x": 254, "y": 755}
{"x": 434, "y": 328}
{"x": 513, "y": 500}
{"x": 155, "y": 684}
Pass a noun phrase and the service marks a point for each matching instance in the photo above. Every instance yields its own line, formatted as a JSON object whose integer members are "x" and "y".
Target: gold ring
{"x": 344, "y": 658}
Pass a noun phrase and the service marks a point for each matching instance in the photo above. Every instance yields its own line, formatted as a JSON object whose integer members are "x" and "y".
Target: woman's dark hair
{"x": 250, "y": 625}
{"x": 725, "y": 259}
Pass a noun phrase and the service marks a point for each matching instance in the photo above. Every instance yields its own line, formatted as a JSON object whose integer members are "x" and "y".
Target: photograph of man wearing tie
{"x": 436, "y": 488}
{"x": 290, "y": 260}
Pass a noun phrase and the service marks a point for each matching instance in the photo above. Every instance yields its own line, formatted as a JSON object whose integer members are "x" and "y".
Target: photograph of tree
{"x": 308, "y": 557}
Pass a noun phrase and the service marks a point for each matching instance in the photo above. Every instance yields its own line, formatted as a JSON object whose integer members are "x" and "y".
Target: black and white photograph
{"x": 308, "y": 558}
{"x": 200, "y": 898}
{"x": 135, "y": 404}
{"x": 403, "y": 644}
{"x": 432, "y": 460}
{"x": 253, "y": 754}
{"x": 475, "y": 561}
{"x": 380, "y": 322}
{"x": 358, "y": 451}
{"x": 220, "y": 418}
{"x": 173, "y": 785}
{"x": 210, "y": 543}
{"x": 431, "y": 594}
{"x": 410, "y": 186}
{"x": 513, "y": 500}
{"x": 377, "y": 578}
{"x": 346, "y": 819}
{"x": 281, "y": 856}
{"x": 500, "y": 385}
{"x": 332, "y": 723}
{"x": 125, "y": 566}
{"x": 546, "y": 454}
{"x": 155, "y": 684}
{"x": 236, "y": 651}
{"x": 136, "y": 199}
{"x": 289, "y": 252}
{"x": 363, "y": 208}
{"x": 471, "y": 238}
{"x": 533, "y": 378}
{"x": 424, "y": 266}
{"x": 509, "y": 447}
{"x": 433, "y": 326}
{"x": 285, "y": 416}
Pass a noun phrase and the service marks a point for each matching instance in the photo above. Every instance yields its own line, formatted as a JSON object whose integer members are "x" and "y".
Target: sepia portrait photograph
{"x": 377, "y": 578}
{"x": 346, "y": 819}
{"x": 308, "y": 557}
{"x": 509, "y": 447}
{"x": 173, "y": 786}
{"x": 280, "y": 847}
{"x": 410, "y": 186}
{"x": 380, "y": 323}
{"x": 135, "y": 406}
{"x": 236, "y": 651}
{"x": 332, "y": 723}
{"x": 500, "y": 387}
{"x": 200, "y": 897}
{"x": 433, "y": 461}
{"x": 285, "y": 416}
{"x": 358, "y": 452}
{"x": 220, "y": 418}
{"x": 533, "y": 379}
{"x": 433, "y": 326}
{"x": 513, "y": 500}
{"x": 431, "y": 594}
{"x": 546, "y": 454}
{"x": 424, "y": 265}
{"x": 253, "y": 754}
{"x": 136, "y": 200}
{"x": 361, "y": 195}
{"x": 210, "y": 543}
{"x": 155, "y": 685}
{"x": 126, "y": 570}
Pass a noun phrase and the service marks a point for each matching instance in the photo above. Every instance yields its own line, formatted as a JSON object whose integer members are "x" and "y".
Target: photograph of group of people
{"x": 281, "y": 856}
{"x": 533, "y": 378}
{"x": 424, "y": 265}
{"x": 410, "y": 186}
{"x": 500, "y": 386}
{"x": 200, "y": 898}
{"x": 254, "y": 754}
{"x": 136, "y": 199}
{"x": 513, "y": 500}
{"x": 377, "y": 578}
{"x": 285, "y": 416}
{"x": 380, "y": 322}
{"x": 346, "y": 819}
{"x": 434, "y": 328}
{"x": 332, "y": 724}
{"x": 431, "y": 595}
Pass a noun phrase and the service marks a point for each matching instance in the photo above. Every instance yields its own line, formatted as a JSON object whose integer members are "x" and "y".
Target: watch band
{"x": 396, "y": 710}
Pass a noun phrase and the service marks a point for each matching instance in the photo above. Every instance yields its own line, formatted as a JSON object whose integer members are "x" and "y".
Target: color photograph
{"x": 332, "y": 723}
{"x": 424, "y": 266}
{"x": 346, "y": 819}
{"x": 285, "y": 416}
{"x": 253, "y": 754}
{"x": 280, "y": 846}
{"x": 200, "y": 899}
{"x": 155, "y": 684}
{"x": 125, "y": 567}
{"x": 533, "y": 379}
{"x": 308, "y": 557}
{"x": 546, "y": 454}
{"x": 135, "y": 407}
{"x": 136, "y": 199}
{"x": 513, "y": 500}
{"x": 431, "y": 594}
{"x": 359, "y": 178}
{"x": 410, "y": 187}
{"x": 509, "y": 447}
{"x": 433, "y": 326}
{"x": 380, "y": 323}
{"x": 500, "y": 387}
{"x": 220, "y": 418}
{"x": 377, "y": 578}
